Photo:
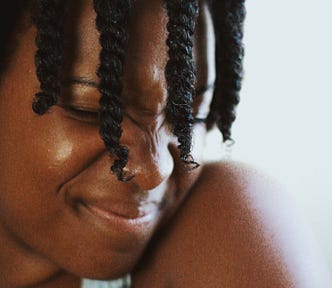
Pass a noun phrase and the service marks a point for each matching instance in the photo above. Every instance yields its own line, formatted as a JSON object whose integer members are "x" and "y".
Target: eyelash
{"x": 92, "y": 117}
{"x": 83, "y": 114}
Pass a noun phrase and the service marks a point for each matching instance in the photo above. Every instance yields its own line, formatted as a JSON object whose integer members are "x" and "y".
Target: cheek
{"x": 48, "y": 145}
{"x": 38, "y": 154}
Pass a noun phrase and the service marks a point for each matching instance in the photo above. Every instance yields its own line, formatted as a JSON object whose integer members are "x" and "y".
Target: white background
{"x": 284, "y": 123}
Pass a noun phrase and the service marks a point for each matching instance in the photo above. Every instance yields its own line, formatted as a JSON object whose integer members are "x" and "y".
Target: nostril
{"x": 150, "y": 160}
{"x": 151, "y": 171}
{"x": 123, "y": 174}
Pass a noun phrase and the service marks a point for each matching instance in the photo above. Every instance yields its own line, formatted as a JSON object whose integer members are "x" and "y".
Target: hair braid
{"x": 50, "y": 53}
{"x": 228, "y": 21}
{"x": 111, "y": 20}
{"x": 180, "y": 72}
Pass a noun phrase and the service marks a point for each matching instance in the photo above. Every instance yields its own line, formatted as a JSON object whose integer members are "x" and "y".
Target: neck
{"x": 21, "y": 266}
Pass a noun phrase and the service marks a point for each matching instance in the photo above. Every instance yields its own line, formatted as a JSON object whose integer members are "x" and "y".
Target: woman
{"x": 65, "y": 217}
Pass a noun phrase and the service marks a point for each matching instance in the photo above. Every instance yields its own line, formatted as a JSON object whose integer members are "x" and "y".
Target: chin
{"x": 105, "y": 266}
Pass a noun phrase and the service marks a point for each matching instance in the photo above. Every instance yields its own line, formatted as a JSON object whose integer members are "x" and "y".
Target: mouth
{"x": 121, "y": 209}
{"x": 130, "y": 216}
{"x": 116, "y": 213}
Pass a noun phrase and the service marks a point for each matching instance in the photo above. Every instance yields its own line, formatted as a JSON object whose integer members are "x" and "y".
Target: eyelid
{"x": 82, "y": 98}
{"x": 82, "y": 108}
{"x": 84, "y": 115}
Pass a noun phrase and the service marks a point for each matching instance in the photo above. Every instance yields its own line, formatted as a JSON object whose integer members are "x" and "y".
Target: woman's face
{"x": 58, "y": 200}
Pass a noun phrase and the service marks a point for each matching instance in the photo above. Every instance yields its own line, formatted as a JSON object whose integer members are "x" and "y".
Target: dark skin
{"x": 65, "y": 148}
{"x": 52, "y": 164}
{"x": 241, "y": 231}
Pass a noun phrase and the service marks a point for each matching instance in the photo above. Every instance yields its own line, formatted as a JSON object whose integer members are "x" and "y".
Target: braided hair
{"x": 110, "y": 21}
{"x": 112, "y": 16}
{"x": 180, "y": 72}
{"x": 228, "y": 17}
{"x": 50, "y": 52}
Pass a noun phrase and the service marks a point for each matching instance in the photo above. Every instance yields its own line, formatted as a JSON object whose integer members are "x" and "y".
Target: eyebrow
{"x": 90, "y": 83}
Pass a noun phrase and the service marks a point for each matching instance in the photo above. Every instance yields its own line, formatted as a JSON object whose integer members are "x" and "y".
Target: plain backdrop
{"x": 285, "y": 115}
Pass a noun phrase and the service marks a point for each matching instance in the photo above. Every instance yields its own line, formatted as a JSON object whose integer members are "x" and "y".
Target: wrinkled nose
{"x": 150, "y": 159}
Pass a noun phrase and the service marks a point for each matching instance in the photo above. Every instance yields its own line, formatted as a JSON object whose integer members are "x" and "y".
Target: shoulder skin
{"x": 238, "y": 228}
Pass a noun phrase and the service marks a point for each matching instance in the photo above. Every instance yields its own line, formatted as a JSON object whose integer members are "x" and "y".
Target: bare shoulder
{"x": 238, "y": 228}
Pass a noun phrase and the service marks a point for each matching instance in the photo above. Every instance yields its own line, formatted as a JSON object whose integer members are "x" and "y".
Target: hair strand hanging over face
{"x": 181, "y": 73}
{"x": 50, "y": 53}
{"x": 111, "y": 19}
{"x": 228, "y": 18}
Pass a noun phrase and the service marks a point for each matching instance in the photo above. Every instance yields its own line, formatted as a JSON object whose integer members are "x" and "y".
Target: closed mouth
{"x": 122, "y": 222}
{"x": 121, "y": 209}
{"x": 108, "y": 214}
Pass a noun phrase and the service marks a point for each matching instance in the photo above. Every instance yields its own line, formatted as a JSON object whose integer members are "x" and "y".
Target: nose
{"x": 150, "y": 159}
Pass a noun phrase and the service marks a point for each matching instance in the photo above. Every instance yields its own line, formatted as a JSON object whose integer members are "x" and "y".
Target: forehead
{"x": 147, "y": 30}
{"x": 146, "y": 55}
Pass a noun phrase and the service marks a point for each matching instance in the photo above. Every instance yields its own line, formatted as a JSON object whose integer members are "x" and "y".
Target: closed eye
{"x": 83, "y": 114}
